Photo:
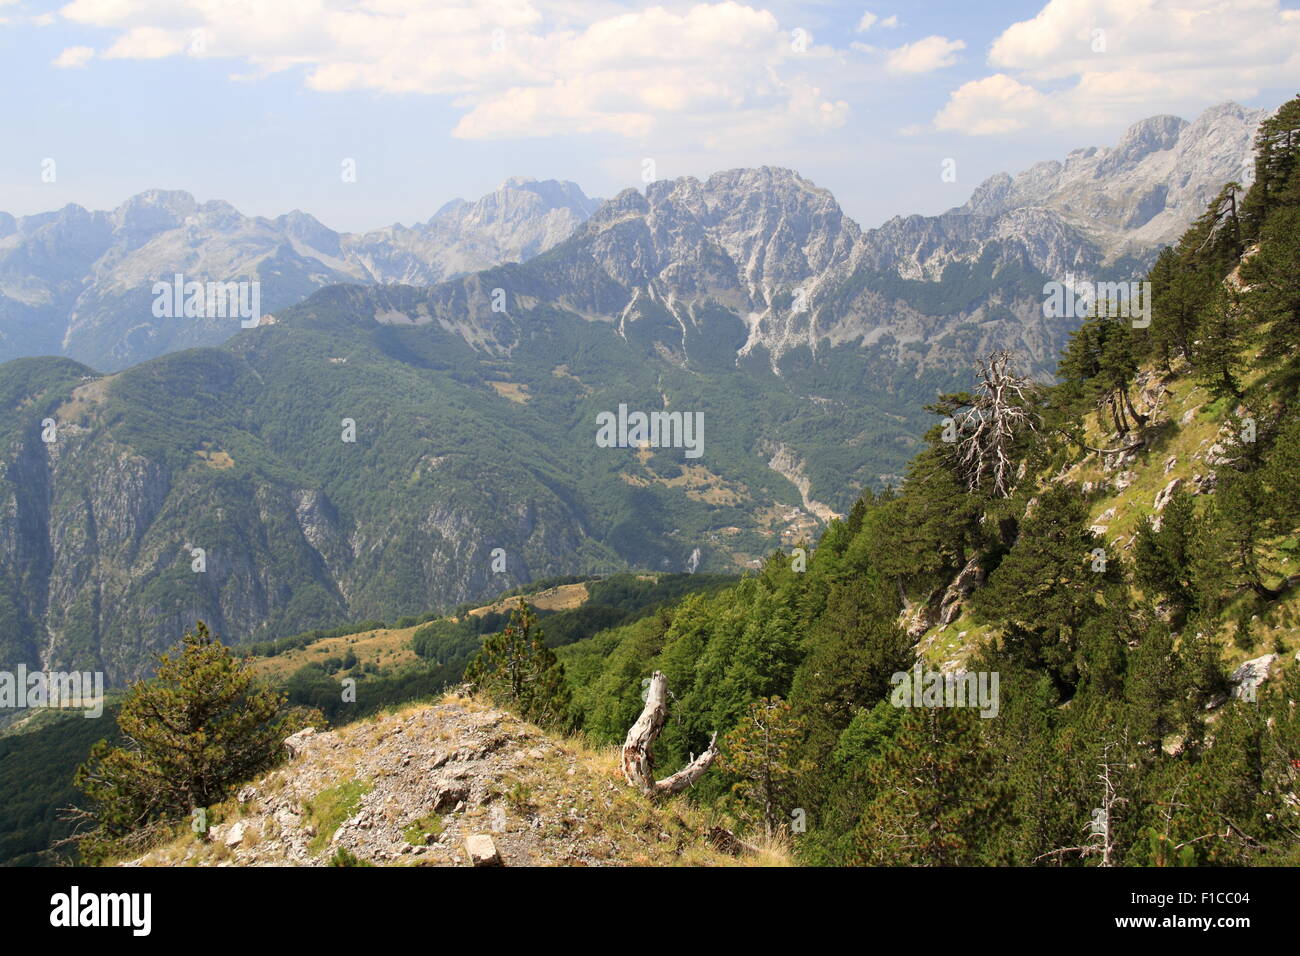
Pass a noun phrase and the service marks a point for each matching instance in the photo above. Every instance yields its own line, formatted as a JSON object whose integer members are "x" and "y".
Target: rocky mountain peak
{"x": 519, "y": 199}
{"x": 775, "y": 226}
{"x": 71, "y": 281}
{"x": 154, "y": 209}
{"x": 1144, "y": 137}
{"x": 1143, "y": 191}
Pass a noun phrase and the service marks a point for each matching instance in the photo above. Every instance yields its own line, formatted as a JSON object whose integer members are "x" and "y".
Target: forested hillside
{"x": 1069, "y": 636}
{"x": 1111, "y": 548}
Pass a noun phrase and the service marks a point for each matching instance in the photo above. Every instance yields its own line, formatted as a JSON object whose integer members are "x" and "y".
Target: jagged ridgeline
{"x": 748, "y": 301}
{"x": 1112, "y": 559}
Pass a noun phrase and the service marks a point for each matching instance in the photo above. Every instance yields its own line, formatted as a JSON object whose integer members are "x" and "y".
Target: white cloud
{"x": 870, "y": 20}
{"x": 73, "y": 57}
{"x": 147, "y": 43}
{"x": 517, "y": 68}
{"x": 1099, "y": 62}
{"x": 924, "y": 56}
{"x": 995, "y": 104}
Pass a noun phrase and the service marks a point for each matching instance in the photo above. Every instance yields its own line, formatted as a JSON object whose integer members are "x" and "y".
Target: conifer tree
{"x": 937, "y": 798}
{"x": 1163, "y": 559}
{"x": 1277, "y": 167}
{"x": 1099, "y": 364}
{"x": 1175, "y": 303}
{"x": 517, "y": 670}
{"x": 1055, "y": 577}
{"x": 201, "y": 726}
{"x": 1273, "y": 275}
{"x": 854, "y": 648}
{"x": 1219, "y": 357}
{"x": 763, "y": 753}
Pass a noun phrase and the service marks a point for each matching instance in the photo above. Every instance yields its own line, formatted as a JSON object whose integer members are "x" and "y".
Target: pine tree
{"x": 200, "y": 727}
{"x": 1277, "y": 167}
{"x": 762, "y": 752}
{"x": 1231, "y": 538}
{"x": 1214, "y": 242}
{"x": 854, "y": 648}
{"x": 925, "y": 535}
{"x": 1155, "y": 687}
{"x": 1099, "y": 364}
{"x": 1175, "y": 303}
{"x": 1055, "y": 577}
{"x": 517, "y": 670}
{"x": 1273, "y": 275}
{"x": 1163, "y": 560}
{"x": 1219, "y": 357}
{"x": 937, "y": 800}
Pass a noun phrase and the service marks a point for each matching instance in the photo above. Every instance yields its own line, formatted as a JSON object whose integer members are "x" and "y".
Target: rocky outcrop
{"x": 455, "y": 783}
{"x": 967, "y": 580}
{"x": 1247, "y": 678}
{"x": 1166, "y": 494}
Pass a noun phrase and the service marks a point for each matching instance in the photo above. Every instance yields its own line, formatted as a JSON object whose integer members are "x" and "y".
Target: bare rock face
{"x": 1166, "y": 494}
{"x": 235, "y": 835}
{"x": 450, "y": 797}
{"x": 1146, "y": 189}
{"x": 919, "y": 618}
{"x": 1246, "y": 678}
{"x": 298, "y": 741}
{"x": 522, "y": 218}
{"x": 970, "y": 577}
{"x": 1205, "y": 484}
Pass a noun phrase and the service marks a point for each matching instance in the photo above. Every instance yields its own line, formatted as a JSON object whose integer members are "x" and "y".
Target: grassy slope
{"x": 1122, "y": 512}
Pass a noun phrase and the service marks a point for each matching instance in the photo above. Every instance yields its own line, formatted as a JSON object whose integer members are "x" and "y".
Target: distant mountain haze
{"x": 78, "y": 283}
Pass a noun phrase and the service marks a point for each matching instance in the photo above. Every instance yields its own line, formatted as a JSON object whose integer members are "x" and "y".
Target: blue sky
{"x": 261, "y": 102}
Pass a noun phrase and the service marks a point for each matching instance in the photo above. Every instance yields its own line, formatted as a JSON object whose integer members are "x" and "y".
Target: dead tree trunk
{"x": 638, "y": 756}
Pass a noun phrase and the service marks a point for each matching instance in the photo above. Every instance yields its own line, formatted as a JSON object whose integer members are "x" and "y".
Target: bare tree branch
{"x": 638, "y": 757}
{"x": 988, "y": 429}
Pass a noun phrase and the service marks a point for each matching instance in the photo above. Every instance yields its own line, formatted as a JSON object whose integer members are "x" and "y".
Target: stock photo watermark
{"x": 52, "y": 690}
{"x": 651, "y": 430}
{"x": 208, "y": 300}
{"x": 922, "y": 688}
{"x": 1081, "y": 298}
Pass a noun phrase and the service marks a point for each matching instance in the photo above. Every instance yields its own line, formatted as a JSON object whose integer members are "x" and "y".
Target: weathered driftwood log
{"x": 638, "y": 756}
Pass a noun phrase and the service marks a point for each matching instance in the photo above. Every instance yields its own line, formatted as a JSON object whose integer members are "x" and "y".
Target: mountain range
{"x": 469, "y": 358}
{"x": 78, "y": 283}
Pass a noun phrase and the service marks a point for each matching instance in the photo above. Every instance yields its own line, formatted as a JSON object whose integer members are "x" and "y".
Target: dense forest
{"x": 1119, "y": 736}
